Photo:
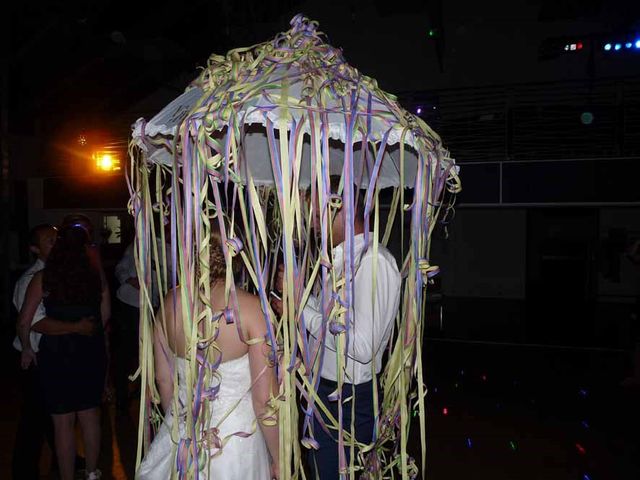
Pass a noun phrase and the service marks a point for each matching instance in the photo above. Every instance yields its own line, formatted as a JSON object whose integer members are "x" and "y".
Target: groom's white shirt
{"x": 372, "y": 317}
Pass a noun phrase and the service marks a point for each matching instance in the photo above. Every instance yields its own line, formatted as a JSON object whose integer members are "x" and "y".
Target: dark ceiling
{"x": 85, "y": 62}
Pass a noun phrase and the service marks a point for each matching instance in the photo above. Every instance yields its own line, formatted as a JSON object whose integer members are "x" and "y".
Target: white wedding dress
{"x": 241, "y": 458}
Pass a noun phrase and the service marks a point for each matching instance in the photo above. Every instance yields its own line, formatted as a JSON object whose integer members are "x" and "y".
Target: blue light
{"x": 638, "y": 43}
{"x": 607, "y": 47}
{"x": 617, "y": 47}
{"x": 628, "y": 45}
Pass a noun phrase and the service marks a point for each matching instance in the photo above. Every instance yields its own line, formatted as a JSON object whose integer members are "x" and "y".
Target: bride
{"x": 247, "y": 382}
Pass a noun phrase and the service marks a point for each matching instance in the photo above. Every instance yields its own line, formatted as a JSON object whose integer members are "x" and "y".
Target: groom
{"x": 372, "y": 317}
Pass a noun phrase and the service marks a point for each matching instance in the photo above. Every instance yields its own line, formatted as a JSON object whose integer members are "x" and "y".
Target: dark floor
{"x": 119, "y": 432}
{"x": 495, "y": 411}
{"x": 530, "y": 413}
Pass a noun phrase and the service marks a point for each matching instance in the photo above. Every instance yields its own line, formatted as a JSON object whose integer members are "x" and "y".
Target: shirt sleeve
{"x": 372, "y": 313}
{"x": 126, "y": 268}
{"x": 313, "y": 316}
{"x": 373, "y": 306}
{"x": 19, "y": 292}
{"x": 39, "y": 314}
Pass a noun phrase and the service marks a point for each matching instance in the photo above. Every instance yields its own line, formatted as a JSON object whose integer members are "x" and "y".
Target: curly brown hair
{"x": 69, "y": 276}
{"x": 217, "y": 264}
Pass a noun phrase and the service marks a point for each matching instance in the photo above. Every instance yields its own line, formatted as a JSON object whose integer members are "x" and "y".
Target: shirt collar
{"x": 337, "y": 252}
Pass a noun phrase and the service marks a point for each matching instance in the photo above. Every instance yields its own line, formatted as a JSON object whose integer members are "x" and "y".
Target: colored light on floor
{"x": 580, "y": 449}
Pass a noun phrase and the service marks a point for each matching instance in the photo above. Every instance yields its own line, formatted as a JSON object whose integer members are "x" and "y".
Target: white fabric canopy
{"x": 256, "y": 151}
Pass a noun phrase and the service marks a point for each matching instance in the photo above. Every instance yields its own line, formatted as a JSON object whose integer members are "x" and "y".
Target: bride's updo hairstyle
{"x": 217, "y": 264}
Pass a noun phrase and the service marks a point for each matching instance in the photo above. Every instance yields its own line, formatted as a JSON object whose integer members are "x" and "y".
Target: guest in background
{"x": 126, "y": 318}
{"x": 126, "y": 315}
{"x": 34, "y": 425}
{"x": 72, "y": 365}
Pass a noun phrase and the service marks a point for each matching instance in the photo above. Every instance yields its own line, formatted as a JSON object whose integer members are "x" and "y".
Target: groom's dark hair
{"x": 360, "y": 195}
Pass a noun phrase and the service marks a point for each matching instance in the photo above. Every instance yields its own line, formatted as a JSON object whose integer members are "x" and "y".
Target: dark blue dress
{"x": 72, "y": 367}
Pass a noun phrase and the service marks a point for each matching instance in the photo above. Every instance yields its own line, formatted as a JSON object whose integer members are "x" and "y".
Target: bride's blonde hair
{"x": 217, "y": 263}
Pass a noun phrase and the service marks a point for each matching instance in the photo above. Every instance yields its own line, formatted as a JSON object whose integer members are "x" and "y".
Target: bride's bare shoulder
{"x": 248, "y": 300}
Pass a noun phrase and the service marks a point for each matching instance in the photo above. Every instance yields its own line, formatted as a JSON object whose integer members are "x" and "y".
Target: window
{"x": 112, "y": 229}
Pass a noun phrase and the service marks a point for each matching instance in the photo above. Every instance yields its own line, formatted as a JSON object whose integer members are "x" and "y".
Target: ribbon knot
{"x": 427, "y": 270}
{"x": 235, "y": 246}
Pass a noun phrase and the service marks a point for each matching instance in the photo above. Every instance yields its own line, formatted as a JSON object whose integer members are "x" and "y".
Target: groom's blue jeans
{"x": 325, "y": 459}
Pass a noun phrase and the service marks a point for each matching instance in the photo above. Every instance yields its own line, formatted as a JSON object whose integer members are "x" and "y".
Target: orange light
{"x": 105, "y": 162}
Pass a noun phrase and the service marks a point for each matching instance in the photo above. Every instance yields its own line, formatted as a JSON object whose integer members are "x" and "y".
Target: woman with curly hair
{"x": 72, "y": 365}
{"x": 244, "y": 446}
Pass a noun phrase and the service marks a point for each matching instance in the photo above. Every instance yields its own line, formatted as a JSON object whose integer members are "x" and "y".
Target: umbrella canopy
{"x": 316, "y": 78}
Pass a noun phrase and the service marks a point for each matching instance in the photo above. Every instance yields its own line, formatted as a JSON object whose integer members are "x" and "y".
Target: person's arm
{"x": 32, "y": 299}
{"x": 162, "y": 354}
{"x": 312, "y": 312}
{"x": 105, "y": 303}
{"x": 368, "y": 326}
{"x": 265, "y": 382}
{"x": 52, "y": 326}
{"x": 360, "y": 346}
{"x": 33, "y": 317}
